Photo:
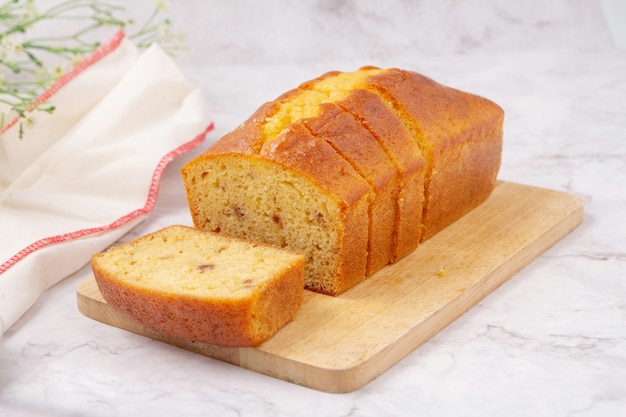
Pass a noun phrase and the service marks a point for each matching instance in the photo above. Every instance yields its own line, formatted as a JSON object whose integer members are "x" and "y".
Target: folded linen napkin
{"x": 86, "y": 174}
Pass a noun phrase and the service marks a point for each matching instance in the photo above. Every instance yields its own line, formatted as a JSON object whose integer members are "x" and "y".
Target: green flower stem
{"x": 30, "y": 65}
{"x": 147, "y": 24}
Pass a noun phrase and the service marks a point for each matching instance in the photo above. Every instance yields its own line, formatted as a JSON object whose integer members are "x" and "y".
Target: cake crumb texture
{"x": 202, "y": 286}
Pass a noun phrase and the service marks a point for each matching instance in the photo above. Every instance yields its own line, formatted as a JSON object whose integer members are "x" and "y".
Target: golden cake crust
{"x": 408, "y": 159}
{"x": 462, "y": 137}
{"x": 359, "y": 147}
{"x": 315, "y": 159}
{"x": 244, "y": 317}
{"x": 432, "y": 149}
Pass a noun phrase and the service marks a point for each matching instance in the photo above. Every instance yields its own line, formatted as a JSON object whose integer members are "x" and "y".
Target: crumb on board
{"x": 441, "y": 272}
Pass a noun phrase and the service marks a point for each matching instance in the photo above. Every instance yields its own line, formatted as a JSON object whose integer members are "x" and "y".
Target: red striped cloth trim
{"x": 148, "y": 206}
{"x": 97, "y": 55}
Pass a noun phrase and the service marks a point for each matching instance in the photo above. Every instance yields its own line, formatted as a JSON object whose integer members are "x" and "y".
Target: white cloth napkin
{"x": 86, "y": 174}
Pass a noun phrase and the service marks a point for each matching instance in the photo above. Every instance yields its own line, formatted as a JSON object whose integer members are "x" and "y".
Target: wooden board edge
{"x": 94, "y": 307}
{"x": 352, "y": 378}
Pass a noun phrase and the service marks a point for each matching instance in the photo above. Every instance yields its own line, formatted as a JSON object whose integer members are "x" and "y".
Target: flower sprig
{"x": 39, "y": 46}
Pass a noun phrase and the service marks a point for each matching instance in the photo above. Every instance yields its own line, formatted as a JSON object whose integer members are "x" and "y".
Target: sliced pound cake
{"x": 354, "y": 169}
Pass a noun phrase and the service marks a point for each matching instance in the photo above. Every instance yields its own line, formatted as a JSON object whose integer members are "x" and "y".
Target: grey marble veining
{"x": 277, "y": 32}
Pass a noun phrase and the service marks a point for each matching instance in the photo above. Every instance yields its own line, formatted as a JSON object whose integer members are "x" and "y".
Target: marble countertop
{"x": 549, "y": 342}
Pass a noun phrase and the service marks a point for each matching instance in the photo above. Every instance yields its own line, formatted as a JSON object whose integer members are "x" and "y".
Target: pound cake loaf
{"x": 201, "y": 286}
{"x": 354, "y": 169}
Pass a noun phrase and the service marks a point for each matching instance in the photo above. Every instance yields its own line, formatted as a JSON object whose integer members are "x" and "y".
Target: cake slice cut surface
{"x": 201, "y": 286}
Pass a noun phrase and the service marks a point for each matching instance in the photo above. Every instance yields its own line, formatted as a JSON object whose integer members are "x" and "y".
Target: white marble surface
{"x": 550, "y": 342}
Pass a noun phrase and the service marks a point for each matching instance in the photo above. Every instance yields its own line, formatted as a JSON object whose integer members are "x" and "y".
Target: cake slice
{"x": 459, "y": 134}
{"x": 202, "y": 286}
{"x": 359, "y": 147}
{"x": 318, "y": 204}
{"x": 397, "y": 148}
{"x": 369, "y": 109}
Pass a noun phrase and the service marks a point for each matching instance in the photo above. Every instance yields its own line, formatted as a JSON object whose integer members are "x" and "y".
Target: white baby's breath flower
{"x": 11, "y": 45}
{"x": 41, "y": 74}
{"x": 27, "y": 13}
{"x": 74, "y": 60}
{"x": 57, "y": 70}
{"x": 161, "y": 5}
{"x": 17, "y": 48}
{"x": 164, "y": 30}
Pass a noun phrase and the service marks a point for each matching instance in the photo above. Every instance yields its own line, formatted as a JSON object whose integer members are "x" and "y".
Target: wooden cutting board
{"x": 339, "y": 344}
